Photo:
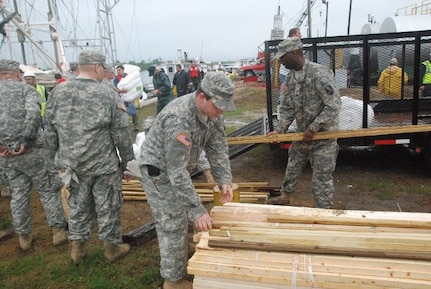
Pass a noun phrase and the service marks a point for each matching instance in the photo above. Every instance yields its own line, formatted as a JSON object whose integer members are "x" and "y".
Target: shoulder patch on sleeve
{"x": 184, "y": 139}
{"x": 325, "y": 85}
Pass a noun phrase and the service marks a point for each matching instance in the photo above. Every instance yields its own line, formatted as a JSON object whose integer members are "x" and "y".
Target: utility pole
{"x": 309, "y": 18}
{"x": 326, "y": 21}
{"x": 350, "y": 14}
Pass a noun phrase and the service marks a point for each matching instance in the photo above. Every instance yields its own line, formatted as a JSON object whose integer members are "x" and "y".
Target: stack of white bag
{"x": 133, "y": 84}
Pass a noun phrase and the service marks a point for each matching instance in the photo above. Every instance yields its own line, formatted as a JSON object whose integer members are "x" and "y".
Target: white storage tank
{"x": 405, "y": 23}
{"x": 370, "y": 28}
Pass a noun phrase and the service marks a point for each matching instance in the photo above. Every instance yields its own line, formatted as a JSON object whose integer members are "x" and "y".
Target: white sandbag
{"x": 350, "y": 115}
{"x": 139, "y": 140}
{"x": 135, "y": 150}
{"x": 133, "y": 83}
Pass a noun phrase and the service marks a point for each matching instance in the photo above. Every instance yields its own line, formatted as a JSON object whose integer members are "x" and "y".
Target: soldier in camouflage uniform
{"x": 182, "y": 130}
{"x": 24, "y": 159}
{"x": 313, "y": 99}
{"x": 84, "y": 128}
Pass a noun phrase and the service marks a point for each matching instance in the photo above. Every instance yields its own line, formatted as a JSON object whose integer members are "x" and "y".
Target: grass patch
{"x": 58, "y": 271}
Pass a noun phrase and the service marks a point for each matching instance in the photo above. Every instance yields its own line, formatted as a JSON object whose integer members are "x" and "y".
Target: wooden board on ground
{"x": 141, "y": 235}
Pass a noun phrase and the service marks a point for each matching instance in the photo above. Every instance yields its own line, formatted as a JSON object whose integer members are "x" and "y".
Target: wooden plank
{"x": 284, "y": 276}
{"x": 240, "y": 185}
{"x": 278, "y": 214}
{"x": 401, "y": 268}
{"x": 232, "y": 225}
{"x": 134, "y": 198}
{"x": 222, "y": 283}
{"x": 290, "y": 246}
{"x": 297, "y": 136}
{"x": 141, "y": 235}
{"x": 368, "y": 267}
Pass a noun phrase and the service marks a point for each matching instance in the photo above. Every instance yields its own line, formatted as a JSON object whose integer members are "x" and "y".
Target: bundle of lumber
{"x": 250, "y": 192}
{"x": 262, "y": 246}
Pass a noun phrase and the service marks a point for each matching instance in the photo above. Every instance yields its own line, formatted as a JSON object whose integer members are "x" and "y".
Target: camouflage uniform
{"x": 169, "y": 154}
{"x": 3, "y": 178}
{"x": 313, "y": 99}
{"x": 20, "y": 117}
{"x": 85, "y": 127}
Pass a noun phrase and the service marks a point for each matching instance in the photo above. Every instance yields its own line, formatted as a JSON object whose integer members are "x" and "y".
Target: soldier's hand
{"x": 19, "y": 150}
{"x": 273, "y": 135}
{"x": 308, "y": 136}
{"x": 204, "y": 223}
{"x": 226, "y": 193}
{"x": 4, "y": 152}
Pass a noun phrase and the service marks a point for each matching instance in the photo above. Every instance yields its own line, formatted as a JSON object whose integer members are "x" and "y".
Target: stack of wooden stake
{"x": 263, "y": 247}
{"x": 250, "y": 192}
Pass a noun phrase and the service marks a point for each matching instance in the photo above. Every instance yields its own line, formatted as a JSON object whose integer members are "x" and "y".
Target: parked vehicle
{"x": 255, "y": 69}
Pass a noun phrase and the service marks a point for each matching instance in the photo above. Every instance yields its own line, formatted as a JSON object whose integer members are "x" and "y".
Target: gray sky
{"x": 214, "y": 30}
{"x": 229, "y": 29}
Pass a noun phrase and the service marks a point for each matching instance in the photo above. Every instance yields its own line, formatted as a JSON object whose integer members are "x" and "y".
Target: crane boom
{"x": 304, "y": 14}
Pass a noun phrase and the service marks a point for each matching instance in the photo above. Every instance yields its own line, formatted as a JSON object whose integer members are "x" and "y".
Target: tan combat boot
{"x": 180, "y": 284}
{"x": 59, "y": 236}
{"x": 208, "y": 176}
{"x": 77, "y": 252}
{"x": 115, "y": 252}
{"x": 25, "y": 241}
{"x": 283, "y": 199}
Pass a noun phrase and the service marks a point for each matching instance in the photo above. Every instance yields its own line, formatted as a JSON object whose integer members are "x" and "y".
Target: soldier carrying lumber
{"x": 313, "y": 100}
{"x": 182, "y": 130}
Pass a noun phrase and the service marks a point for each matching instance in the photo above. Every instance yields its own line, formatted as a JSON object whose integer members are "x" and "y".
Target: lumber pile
{"x": 262, "y": 246}
{"x": 250, "y": 192}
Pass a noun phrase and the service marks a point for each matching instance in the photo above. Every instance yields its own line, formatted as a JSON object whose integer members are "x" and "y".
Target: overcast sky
{"x": 213, "y": 30}
{"x": 229, "y": 29}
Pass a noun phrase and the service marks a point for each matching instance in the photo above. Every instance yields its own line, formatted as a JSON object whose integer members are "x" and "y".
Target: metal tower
{"x": 106, "y": 26}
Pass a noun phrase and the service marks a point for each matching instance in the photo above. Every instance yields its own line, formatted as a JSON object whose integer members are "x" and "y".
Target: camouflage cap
{"x": 92, "y": 57}
{"x": 220, "y": 88}
{"x": 288, "y": 45}
{"x": 110, "y": 68}
{"x": 8, "y": 64}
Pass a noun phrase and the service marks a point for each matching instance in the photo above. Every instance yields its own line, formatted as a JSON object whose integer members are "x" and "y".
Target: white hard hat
{"x": 29, "y": 73}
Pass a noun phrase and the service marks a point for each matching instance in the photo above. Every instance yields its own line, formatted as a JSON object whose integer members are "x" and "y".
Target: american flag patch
{"x": 184, "y": 139}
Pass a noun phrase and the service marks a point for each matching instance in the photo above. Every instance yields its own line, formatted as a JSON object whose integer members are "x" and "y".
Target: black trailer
{"x": 357, "y": 62}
